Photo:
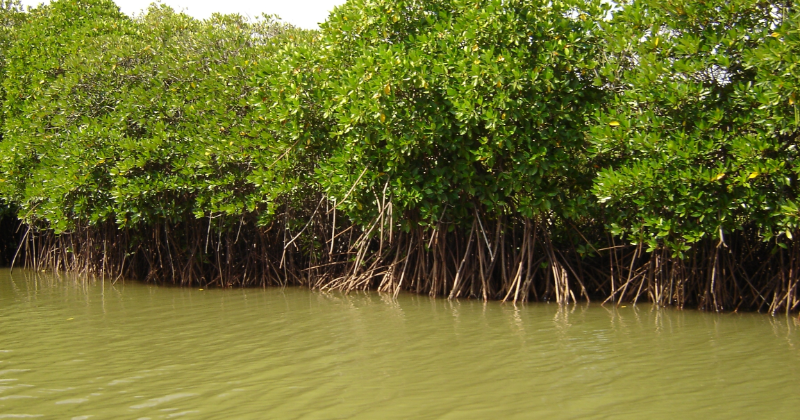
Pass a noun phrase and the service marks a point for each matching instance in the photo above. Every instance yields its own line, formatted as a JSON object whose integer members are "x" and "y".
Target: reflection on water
{"x": 77, "y": 349}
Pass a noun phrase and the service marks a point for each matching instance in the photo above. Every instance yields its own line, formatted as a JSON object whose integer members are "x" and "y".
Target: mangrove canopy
{"x": 506, "y": 149}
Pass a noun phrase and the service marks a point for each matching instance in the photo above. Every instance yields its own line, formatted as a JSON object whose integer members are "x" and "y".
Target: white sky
{"x": 303, "y": 13}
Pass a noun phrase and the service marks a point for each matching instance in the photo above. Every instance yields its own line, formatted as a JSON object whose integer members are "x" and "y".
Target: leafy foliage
{"x": 777, "y": 90}
{"x": 446, "y": 104}
{"x": 476, "y": 148}
{"x": 11, "y": 17}
{"x": 134, "y": 120}
{"x": 687, "y": 141}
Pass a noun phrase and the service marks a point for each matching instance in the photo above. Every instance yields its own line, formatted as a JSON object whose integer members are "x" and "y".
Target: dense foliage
{"x": 447, "y": 105}
{"x": 11, "y": 16}
{"x": 502, "y": 149}
{"x": 110, "y": 118}
{"x": 689, "y": 141}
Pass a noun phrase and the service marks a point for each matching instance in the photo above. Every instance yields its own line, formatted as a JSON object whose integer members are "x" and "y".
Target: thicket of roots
{"x": 9, "y": 228}
{"x": 509, "y": 259}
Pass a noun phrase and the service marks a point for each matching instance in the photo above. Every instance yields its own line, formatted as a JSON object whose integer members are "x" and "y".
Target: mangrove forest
{"x": 518, "y": 150}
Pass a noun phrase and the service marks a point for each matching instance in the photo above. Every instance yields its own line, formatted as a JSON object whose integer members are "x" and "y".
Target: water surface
{"x": 73, "y": 348}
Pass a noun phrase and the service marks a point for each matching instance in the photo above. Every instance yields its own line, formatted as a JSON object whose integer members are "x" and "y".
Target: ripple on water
{"x": 292, "y": 353}
{"x": 73, "y": 401}
{"x": 157, "y": 401}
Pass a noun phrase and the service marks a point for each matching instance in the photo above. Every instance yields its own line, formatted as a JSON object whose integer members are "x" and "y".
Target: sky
{"x": 303, "y": 13}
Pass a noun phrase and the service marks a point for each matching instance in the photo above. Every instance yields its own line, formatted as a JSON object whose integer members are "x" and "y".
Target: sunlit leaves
{"x": 687, "y": 142}
{"x": 134, "y": 120}
{"x": 450, "y": 105}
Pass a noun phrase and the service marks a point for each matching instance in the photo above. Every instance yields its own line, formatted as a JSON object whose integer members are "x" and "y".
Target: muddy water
{"x": 77, "y": 349}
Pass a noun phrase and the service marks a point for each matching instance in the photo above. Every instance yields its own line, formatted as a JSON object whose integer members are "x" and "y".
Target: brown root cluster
{"x": 508, "y": 259}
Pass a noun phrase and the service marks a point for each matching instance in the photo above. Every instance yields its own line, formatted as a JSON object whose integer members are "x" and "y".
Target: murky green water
{"x": 83, "y": 350}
